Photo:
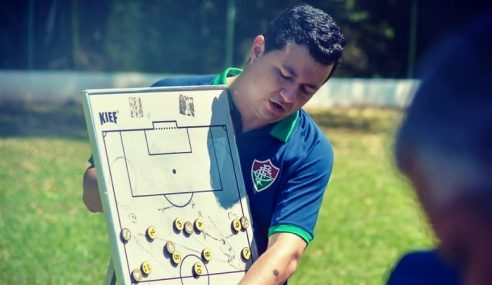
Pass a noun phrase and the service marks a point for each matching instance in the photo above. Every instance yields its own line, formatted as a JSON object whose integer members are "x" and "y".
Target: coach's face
{"x": 280, "y": 82}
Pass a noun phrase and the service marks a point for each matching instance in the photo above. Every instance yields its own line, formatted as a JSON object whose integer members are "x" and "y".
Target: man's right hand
{"x": 91, "y": 196}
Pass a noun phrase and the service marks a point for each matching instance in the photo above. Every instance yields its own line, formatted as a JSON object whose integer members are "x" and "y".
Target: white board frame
{"x": 95, "y": 130}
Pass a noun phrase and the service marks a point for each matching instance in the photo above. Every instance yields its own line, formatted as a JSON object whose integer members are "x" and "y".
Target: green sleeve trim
{"x": 291, "y": 229}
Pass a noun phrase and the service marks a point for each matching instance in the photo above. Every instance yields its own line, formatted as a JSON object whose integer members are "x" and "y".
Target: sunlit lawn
{"x": 369, "y": 215}
{"x": 47, "y": 236}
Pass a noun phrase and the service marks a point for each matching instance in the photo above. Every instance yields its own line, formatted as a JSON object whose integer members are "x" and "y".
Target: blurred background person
{"x": 444, "y": 148}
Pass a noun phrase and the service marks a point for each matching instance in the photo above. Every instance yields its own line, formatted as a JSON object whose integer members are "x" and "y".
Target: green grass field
{"x": 368, "y": 219}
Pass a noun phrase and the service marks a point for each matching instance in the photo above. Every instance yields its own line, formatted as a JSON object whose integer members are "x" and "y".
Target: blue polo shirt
{"x": 424, "y": 268}
{"x": 285, "y": 165}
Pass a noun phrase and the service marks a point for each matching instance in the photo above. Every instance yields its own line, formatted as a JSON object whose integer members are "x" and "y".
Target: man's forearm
{"x": 278, "y": 262}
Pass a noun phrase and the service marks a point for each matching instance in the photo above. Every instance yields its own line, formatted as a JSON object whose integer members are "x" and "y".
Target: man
{"x": 444, "y": 148}
{"x": 287, "y": 64}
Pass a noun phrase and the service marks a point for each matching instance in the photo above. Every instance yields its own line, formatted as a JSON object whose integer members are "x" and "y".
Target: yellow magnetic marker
{"x": 176, "y": 257}
{"x": 206, "y": 254}
{"x": 178, "y": 224}
{"x": 198, "y": 268}
{"x": 199, "y": 225}
{"x": 246, "y": 253}
{"x": 236, "y": 225}
{"x": 146, "y": 268}
{"x": 151, "y": 233}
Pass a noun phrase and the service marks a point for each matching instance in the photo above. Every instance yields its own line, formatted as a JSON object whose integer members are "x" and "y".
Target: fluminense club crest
{"x": 263, "y": 174}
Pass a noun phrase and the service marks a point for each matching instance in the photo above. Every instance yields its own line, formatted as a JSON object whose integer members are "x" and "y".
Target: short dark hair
{"x": 309, "y": 26}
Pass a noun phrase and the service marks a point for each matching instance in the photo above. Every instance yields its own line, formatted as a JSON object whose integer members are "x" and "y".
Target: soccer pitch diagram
{"x": 171, "y": 186}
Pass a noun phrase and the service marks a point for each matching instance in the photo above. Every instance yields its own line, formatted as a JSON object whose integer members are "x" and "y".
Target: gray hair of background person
{"x": 448, "y": 125}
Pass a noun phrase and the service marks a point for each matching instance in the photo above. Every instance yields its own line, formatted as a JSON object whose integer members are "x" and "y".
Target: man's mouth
{"x": 277, "y": 107}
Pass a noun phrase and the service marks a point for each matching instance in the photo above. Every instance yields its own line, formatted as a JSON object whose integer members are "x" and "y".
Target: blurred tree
{"x": 124, "y": 41}
{"x": 166, "y": 36}
{"x": 190, "y": 36}
{"x": 378, "y": 33}
{"x": 89, "y": 20}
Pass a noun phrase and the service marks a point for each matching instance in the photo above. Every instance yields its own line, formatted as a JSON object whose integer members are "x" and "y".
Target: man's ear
{"x": 257, "y": 48}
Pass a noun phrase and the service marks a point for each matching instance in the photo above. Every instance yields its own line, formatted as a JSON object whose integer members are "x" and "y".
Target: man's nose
{"x": 288, "y": 92}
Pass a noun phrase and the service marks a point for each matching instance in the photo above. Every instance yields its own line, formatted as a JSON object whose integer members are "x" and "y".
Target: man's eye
{"x": 307, "y": 91}
{"x": 283, "y": 76}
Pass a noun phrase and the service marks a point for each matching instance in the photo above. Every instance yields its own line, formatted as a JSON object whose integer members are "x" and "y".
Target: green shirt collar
{"x": 221, "y": 79}
{"x": 283, "y": 129}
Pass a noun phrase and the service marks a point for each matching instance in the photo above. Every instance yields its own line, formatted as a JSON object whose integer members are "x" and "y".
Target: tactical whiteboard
{"x": 170, "y": 183}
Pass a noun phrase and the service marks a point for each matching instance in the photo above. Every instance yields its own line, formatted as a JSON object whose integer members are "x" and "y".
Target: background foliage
{"x": 190, "y": 36}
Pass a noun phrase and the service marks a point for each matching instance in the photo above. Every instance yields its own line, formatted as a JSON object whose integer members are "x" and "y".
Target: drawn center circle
{"x": 186, "y": 271}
